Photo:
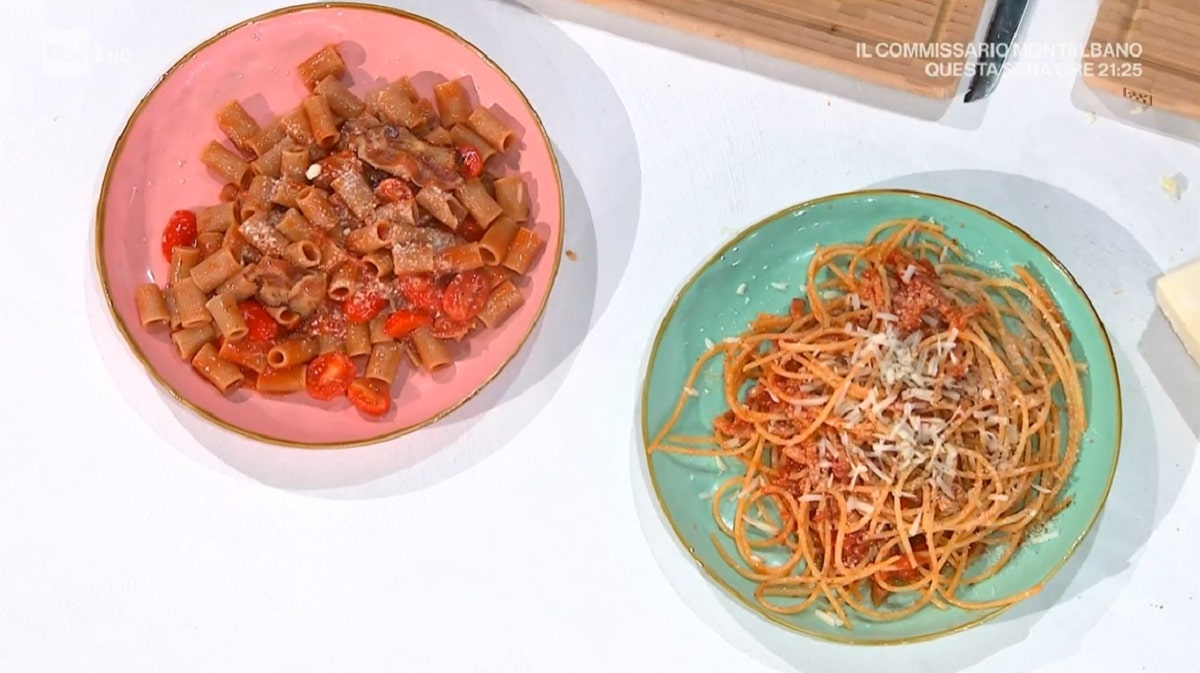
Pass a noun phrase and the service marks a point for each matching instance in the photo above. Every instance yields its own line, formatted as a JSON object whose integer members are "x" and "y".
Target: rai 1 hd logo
{"x": 74, "y": 53}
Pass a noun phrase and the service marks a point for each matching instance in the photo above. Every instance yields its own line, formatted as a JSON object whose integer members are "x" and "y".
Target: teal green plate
{"x": 777, "y": 250}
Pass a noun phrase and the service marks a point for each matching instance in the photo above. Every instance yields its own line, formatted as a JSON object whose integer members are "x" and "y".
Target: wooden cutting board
{"x": 861, "y": 38}
{"x": 1147, "y": 51}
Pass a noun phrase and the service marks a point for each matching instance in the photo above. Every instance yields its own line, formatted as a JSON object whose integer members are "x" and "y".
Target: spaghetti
{"x": 912, "y": 414}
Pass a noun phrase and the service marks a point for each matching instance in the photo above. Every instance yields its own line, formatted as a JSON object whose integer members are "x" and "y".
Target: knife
{"x": 997, "y": 43}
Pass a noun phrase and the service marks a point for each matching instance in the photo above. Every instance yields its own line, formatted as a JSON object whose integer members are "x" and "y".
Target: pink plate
{"x": 155, "y": 170}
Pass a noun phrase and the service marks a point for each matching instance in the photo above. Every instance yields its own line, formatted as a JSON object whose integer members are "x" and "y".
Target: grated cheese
{"x": 708, "y": 343}
{"x": 760, "y": 525}
{"x": 779, "y": 286}
{"x": 1042, "y": 536}
{"x": 741, "y": 289}
{"x": 313, "y": 172}
{"x": 1171, "y": 186}
{"x": 691, "y": 392}
{"x": 829, "y": 618}
{"x": 909, "y": 272}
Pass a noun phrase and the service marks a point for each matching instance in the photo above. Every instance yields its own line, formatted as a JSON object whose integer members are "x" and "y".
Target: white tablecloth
{"x": 521, "y": 535}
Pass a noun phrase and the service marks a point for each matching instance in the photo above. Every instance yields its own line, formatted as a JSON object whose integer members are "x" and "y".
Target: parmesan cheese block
{"x": 1178, "y": 294}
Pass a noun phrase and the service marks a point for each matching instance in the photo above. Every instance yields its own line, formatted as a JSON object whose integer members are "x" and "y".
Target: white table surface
{"x": 520, "y": 535}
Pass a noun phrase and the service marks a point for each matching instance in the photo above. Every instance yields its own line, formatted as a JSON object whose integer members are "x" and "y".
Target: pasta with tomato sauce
{"x": 378, "y": 229}
{"x": 899, "y": 432}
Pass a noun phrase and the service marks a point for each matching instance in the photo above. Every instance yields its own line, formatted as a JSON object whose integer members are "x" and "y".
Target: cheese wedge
{"x": 1178, "y": 294}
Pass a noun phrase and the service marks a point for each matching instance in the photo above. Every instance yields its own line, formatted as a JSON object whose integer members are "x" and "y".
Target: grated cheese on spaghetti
{"x": 829, "y": 618}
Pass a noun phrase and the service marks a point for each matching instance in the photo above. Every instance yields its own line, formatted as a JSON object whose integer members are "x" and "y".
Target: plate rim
{"x": 742, "y": 236}
{"x": 206, "y": 415}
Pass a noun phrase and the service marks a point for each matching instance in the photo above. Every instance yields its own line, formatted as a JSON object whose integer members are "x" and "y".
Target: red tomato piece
{"x": 470, "y": 161}
{"x": 329, "y": 375}
{"x": 402, "y": 322}
{"x": 180, "y": 232}
{"x": 391, "y": 190}
{"x": 262, "y": 326}
{"x": 470, "y": 230}
{"x": 465, "y": 296}
{"x": 362, "y": 307}
{"x": 369, "y": 396}
{"x": 421, "y": 291}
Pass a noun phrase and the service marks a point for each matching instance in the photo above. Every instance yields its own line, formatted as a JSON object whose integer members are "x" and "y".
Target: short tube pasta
{"x": 189, "y": 339}
{"x": 260, "y": 233}
{"x": 287, "y": 193}
{"x": 303, "y": 254}
{"x": 523, "y": 250}
{"x": 151, "y": 306}
{"x": 267, "y": 137}
{"x": 245, "y": 353}
{"x": 453, "y": 103}
{"x": 214, "y": 270}
{"x": 512, "y": 197}
{"x": 504, "y": 300}
{"x": 238, "y": 286}
{"x": 227, "y": 316}
{"x": 281, "y": 381}
{"x": 321, "y": 120}
{"x": 295, "y": 226}
{"x": 293, "y": 163}
{"x": 341, "y": 100}
{"x": 284, "y": 316}
{"x": 328, "y": 343}
{"x": 378, "y": 263}
{"x": 491, "y": 129}
{"x": 216, "y": 218}
{"x": 397, "y": 106}
{"x": 209, "y": 243}
{"x": 315, "y": 206}
{"x": 497, "y": 239}
{"x": 412, "y": 257}
{"x": 371, "y": 237}
{"x": 475, "y": 198}
{"x": 292, "y": 352}
{"x": 377, "y": 330}
{"x": 221, "y": 373}
{"x": 357, "y": 194}
{"x": 237, "y": 125}
{"x": 358, "y": 339}
{"x": 436, "y": 202}
{"x": 227, "y": 165}
{"x": 462, "y": 134}
{"x": 270, "y": 163}
{"x": 183, "y": 260}
{"x": 342, "y": 282}
{"x": 325, "y": 63}
{"x": 384, "y": 362}
{"x": 459, "y": 258}
{"x": 295, "y": 123}
{"x": 430, "y": 350}
{"x": 189, "y": 302}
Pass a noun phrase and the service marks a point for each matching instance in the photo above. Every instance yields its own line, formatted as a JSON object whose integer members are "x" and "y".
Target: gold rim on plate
{"x": 746, "y": 233}
{"x": 102, "y": 268}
